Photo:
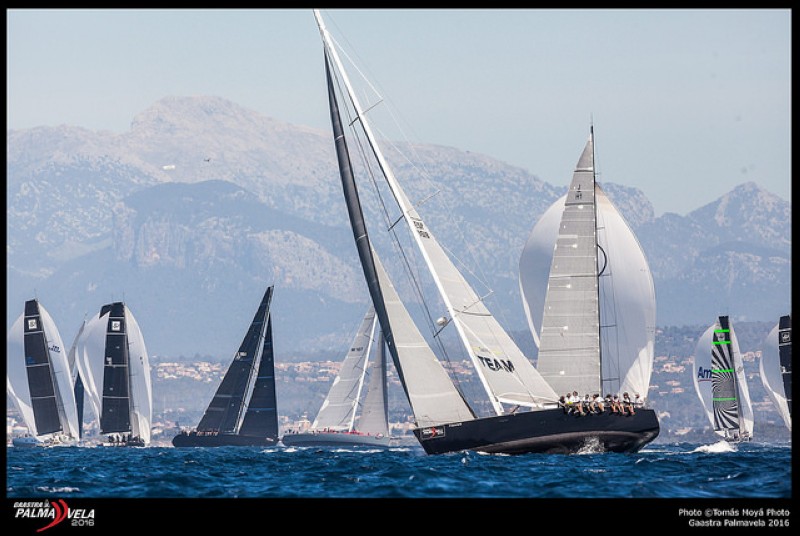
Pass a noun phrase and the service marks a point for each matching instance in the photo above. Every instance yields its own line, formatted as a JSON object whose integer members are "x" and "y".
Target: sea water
{"x": 749, "y": 473}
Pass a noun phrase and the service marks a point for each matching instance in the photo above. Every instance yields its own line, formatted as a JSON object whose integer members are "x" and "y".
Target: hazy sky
{"x": 686, "y": 104}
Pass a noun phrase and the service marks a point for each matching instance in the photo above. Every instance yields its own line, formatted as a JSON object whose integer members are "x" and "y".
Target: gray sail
{"x": 505, "y": 372}
{"x": 569, "y": 350}
{"x": 431, "y": 394}
{"x": 374, "y": 417}
{"x": 338, "y": 411}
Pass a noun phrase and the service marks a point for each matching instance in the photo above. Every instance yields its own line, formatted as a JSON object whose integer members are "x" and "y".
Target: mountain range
{"x": 191, "y": 213}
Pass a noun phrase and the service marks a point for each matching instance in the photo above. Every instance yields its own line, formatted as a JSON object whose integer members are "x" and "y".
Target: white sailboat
{"x": 113, "y": 362}
{"x": 588, "y": 293}
{"x": 39, "y": 380}
{"x": 526, "y": 418}
{"x": 355, "y": 410}
{"x": 720, "y": 382}
{"x": 775, "y": 368}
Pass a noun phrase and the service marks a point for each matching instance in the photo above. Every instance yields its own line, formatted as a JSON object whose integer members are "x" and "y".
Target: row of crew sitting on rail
{"x": 572, "y": 403}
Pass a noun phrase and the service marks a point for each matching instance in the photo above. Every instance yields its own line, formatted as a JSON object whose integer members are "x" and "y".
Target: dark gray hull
{"x": 334, "y": 439}
{"x": 221, "y": 440}
{"x": 546, "y": 431}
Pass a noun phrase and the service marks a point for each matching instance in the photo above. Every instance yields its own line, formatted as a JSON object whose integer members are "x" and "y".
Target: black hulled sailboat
{"x": 527, "y": 416}
{"x": 243, "y": 412}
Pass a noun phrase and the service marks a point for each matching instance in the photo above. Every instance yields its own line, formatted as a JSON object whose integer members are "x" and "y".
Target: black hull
{"x": 546, "y": 431}
{"x": 221, "y": 440}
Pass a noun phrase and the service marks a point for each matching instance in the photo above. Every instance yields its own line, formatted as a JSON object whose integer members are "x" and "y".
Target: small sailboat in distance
{"x": 39, "y": 380}
{"x": 720, "y": 382}
{"x": 775, "y": 368}
{"x": 355, "y": 411}
{"x": 114, "y": 366}
{"x": 243, "y": 412}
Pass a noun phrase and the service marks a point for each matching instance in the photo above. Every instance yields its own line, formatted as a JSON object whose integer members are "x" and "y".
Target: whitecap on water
{"x": 718, "y": 447}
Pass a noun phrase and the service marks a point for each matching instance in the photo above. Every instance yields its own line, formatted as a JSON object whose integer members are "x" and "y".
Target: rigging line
{"x": 395, "y": 116}
{"x": 414, "y": 280}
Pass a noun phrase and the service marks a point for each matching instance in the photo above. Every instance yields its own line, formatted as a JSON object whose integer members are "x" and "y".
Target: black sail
{"x": 116, "y": 412}
{"x": 40, "y": 372}
{"x": 224, "y": 411}
{"x": 261, "y": 417}
{"x": 358, "y": 224}
{"x": 785, "y": 353}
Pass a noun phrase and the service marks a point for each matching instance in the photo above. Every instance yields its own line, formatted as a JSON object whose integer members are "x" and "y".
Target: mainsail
{"x": 505, "y": 372}
{"x": 588, "y": 292}
{"x": 38, "y": 378}
{"x": 775, "y": 368}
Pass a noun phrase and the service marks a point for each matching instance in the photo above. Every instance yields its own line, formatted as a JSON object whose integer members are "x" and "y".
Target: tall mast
{"x": 514, "y": 379}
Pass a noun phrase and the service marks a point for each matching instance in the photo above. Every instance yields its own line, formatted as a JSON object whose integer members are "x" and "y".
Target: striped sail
{"x": 732, "y": 409}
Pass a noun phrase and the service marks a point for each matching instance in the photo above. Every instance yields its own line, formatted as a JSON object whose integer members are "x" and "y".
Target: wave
{"x": 716, "y": 448}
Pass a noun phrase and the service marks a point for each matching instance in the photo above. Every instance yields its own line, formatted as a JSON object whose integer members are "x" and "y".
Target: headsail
{"x": 702, "y": 370}
{"x": 261, "y": 417}
{"x": 374, "y": 417}
{"x": 505, "y": 372}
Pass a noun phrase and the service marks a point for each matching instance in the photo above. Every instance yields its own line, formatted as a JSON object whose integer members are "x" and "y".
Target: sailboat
{"x": 349, "y": 399}
{"x": 526, "y": 414}
{"x": 243, "y": 412}
{"x": 720, "y": 382}
{"x": 775, "y": 368}
{"x": 39, "y": 380}
{"x": 114, "y": 367}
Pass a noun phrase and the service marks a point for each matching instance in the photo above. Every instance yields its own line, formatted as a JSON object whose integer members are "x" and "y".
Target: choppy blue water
{"x": 660, "y": 471}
